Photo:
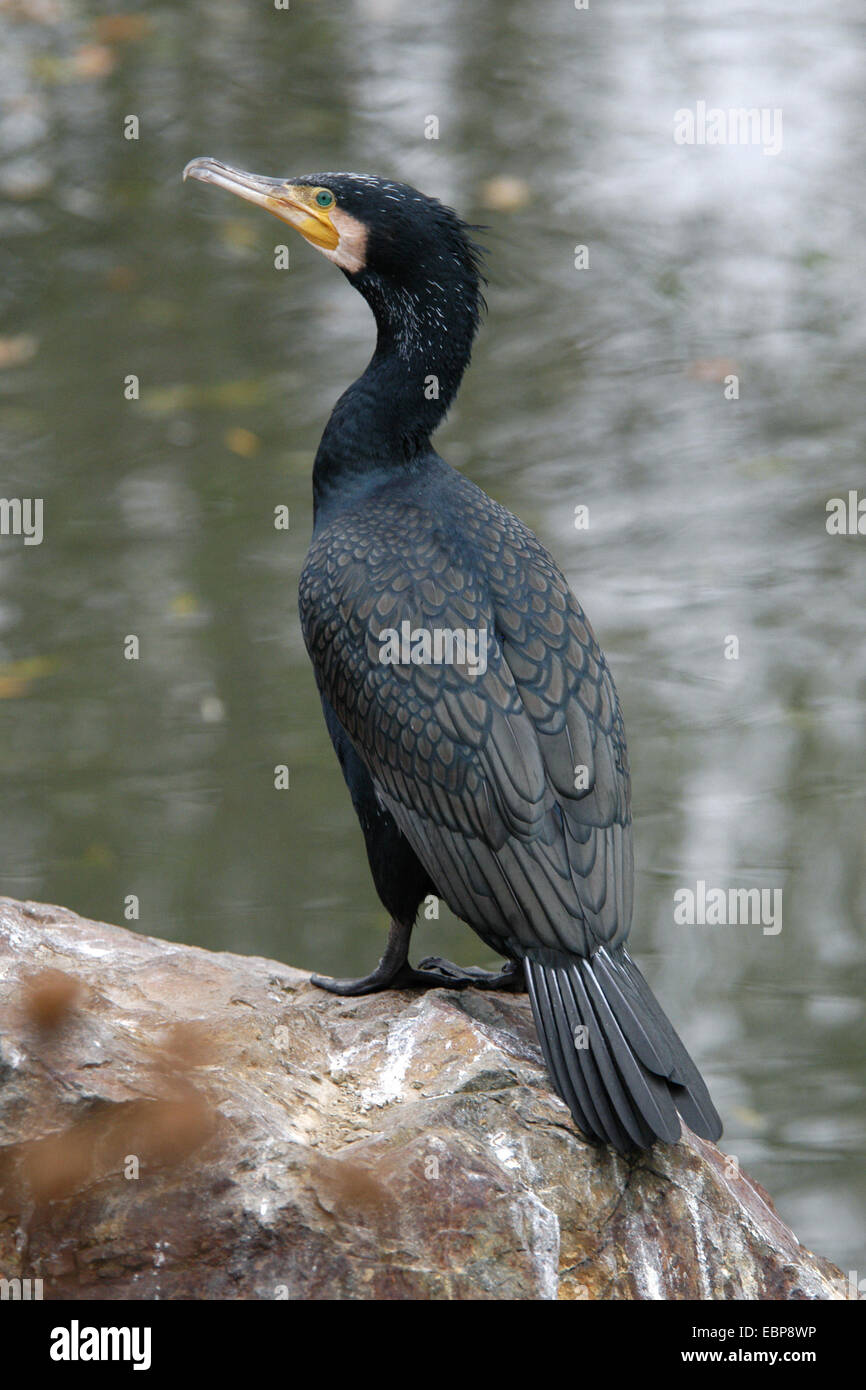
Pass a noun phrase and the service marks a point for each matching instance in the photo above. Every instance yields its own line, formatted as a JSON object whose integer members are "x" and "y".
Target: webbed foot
{"x": 395, "y": 972}
{"x": 403, "y": 977}
{"x": 510, "y": 977}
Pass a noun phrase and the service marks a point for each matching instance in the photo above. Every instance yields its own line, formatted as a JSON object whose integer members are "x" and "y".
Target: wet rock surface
{"x": 176, "y": 1123}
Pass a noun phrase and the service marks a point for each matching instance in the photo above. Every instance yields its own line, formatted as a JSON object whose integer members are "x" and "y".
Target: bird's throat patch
{"x": 350, "y": 253}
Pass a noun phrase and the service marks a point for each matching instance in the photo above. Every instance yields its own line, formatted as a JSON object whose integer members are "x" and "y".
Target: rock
{"x": 181, "y": 1124}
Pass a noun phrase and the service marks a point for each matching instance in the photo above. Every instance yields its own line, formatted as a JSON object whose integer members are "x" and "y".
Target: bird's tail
{"x": 612, "y": 1053}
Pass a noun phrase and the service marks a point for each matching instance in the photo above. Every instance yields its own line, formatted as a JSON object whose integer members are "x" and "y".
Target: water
{"x": 601, "y": 387}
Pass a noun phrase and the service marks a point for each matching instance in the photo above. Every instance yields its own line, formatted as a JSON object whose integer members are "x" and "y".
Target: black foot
{"x": 432, "y": 973}
{"x": 404, "y": 977}
{"x": 395, "y": 972}
{"x": 510, "y": 977}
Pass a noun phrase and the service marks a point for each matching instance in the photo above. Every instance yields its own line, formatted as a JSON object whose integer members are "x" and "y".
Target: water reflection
{"x": 601, "y": 387}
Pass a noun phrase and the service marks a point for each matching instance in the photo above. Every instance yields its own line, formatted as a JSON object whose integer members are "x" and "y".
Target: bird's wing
{"x": 510, "y": 784}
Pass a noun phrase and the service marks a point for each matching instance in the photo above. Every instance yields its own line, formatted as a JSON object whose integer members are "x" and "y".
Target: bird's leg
{"x": 395, "y": 972}
{"x": 389, "y": 973}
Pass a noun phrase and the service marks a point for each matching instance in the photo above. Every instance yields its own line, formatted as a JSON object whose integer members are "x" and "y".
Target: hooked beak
{"x": 292, "y": 203}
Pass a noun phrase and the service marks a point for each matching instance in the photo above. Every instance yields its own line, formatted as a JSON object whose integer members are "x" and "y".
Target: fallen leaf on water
{"x": 712, "y": 369}
{"x": 168, "y": 400}
{"x": 242, "y": 441}
{"x": 98, "y": 855}
{"x": 120, "y": 277}
{"x": 183, "y": 606}
{"x": 29, "y": 667}
{"x": 505, "y": 193}
{"x": 93, "y": 60}
{"x": 236, "y": 393}
{"x": 121, "y": 28}
{"x": 16, "y": 677}
{"x": 14, "y": 352}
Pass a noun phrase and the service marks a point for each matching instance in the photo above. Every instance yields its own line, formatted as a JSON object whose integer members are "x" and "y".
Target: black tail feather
{"x": 603, "y": 1099}
{"x": 569, "y": 1082}
{"x": 597, "y": 1061}
{"x": 626, "y": 1074}
{"x": 648, "y": 1093}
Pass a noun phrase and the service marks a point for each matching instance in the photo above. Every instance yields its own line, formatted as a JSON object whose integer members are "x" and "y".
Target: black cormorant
{"x": 472, "y": 710}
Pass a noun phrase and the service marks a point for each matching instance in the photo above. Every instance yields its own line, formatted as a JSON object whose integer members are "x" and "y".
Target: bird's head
{"x": 386, "y": 237}
{"x": 415, "y": 263}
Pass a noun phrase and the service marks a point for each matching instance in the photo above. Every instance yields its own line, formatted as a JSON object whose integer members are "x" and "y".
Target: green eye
{"x": 324, "y": 199}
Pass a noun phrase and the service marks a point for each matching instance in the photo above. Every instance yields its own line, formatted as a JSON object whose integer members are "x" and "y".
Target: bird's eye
{"x": 324, "y": 198}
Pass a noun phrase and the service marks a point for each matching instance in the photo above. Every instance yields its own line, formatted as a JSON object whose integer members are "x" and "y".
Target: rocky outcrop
{"x": 181, "y": 1124}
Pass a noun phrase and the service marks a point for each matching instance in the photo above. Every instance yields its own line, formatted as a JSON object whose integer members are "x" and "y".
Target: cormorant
{"x": 471, "y": 708}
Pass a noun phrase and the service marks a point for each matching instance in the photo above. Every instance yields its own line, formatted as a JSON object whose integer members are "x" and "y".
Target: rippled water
{"x": 601, "y": 387}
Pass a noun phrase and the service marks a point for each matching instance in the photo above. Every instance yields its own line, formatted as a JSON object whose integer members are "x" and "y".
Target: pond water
{"x": 601, "y": 387}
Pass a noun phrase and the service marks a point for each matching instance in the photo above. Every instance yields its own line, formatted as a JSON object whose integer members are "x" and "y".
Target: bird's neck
{"x": 385, "y": 419}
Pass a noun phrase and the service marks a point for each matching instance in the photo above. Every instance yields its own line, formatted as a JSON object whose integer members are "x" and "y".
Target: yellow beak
{"x": 292, "y": 203}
